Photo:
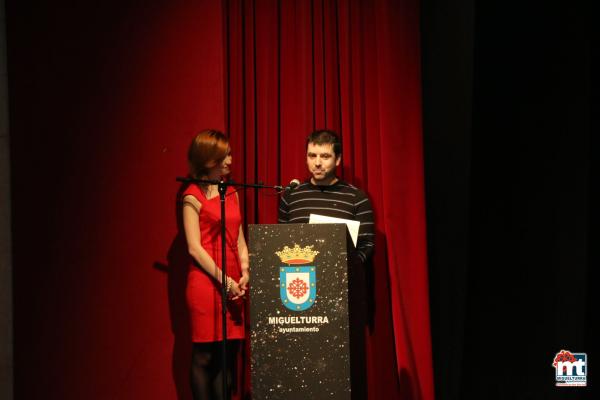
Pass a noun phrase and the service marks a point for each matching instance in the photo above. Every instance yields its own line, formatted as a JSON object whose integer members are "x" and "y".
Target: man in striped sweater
{"x": 324, "y": 193}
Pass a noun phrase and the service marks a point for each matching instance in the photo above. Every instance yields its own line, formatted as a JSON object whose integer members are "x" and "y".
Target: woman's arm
{"x": 244, "y": 260}
{"x": 191, "y": 225}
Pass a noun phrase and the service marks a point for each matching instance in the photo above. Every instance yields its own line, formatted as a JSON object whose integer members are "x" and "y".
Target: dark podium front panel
{"x": 299, "y": 312}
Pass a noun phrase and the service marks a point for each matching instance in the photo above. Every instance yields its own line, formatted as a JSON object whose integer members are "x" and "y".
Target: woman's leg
{"x": 232, "y": 350}
{"x": 202, "y": 371}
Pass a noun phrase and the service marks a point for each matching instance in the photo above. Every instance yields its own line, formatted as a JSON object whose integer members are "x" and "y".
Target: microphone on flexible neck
{"x": 292, "y": 185}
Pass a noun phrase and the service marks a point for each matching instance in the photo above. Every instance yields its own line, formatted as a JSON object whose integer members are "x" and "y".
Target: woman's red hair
{"x": 208, "y": 149}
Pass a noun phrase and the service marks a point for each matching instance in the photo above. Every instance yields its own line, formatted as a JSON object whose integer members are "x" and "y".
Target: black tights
{"x": 206, "y": 373}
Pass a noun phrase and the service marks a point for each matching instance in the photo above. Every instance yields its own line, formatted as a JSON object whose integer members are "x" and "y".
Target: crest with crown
{"x": 297, "y": 255}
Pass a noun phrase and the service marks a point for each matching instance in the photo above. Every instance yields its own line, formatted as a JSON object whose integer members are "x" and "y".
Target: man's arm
{"x": 283, "y": 216}
{"x": 366, "y": 233}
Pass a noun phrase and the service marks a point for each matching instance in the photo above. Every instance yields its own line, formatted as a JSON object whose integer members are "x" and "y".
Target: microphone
{"x": 292, "y": 185}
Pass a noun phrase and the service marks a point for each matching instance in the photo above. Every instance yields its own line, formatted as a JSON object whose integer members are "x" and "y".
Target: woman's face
{"x": 221, "y": 169}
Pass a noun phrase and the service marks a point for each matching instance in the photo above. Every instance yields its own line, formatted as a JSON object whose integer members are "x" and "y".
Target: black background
{"x": 506, "y": 101}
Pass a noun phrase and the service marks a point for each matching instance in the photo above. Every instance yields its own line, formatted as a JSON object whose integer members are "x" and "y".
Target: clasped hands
{"x": 237, "y": 290}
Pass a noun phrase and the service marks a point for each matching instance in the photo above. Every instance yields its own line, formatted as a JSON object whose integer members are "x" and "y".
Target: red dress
{"x": 203, "y": 292}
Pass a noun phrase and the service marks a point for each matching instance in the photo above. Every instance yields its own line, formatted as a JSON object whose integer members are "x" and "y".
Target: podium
{"x": 299, "y": 312}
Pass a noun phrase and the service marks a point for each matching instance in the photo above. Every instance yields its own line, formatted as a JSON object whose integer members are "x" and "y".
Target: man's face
{"x": 321, "y": 162}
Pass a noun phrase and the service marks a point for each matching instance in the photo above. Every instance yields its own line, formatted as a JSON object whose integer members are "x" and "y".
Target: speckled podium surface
{"x": 299, "y": 312}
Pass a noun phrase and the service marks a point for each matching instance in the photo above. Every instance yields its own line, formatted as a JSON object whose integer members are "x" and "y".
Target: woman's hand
{"x": 235, "y": 291}
{"x": 243, "y": 283}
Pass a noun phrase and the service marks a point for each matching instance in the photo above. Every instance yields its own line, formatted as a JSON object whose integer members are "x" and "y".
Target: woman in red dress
{"x": 209, "y": 158}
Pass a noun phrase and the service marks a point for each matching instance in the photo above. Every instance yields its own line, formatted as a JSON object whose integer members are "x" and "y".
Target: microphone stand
{"x": 222, "y": 188}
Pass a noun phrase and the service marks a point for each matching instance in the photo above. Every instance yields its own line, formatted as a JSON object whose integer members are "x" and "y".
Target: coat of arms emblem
{"x": 297, "y": 280}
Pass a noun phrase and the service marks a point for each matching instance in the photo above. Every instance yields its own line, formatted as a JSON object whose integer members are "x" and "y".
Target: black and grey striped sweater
{"x": 340, "y": 200}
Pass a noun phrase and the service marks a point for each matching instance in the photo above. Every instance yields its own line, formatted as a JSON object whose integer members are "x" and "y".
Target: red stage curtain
{"x": 105, "y": 98}
{"x": 352, "y": 66}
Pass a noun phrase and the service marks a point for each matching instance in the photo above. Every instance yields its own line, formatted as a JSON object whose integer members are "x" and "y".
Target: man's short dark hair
{"x": 324, "y": 136}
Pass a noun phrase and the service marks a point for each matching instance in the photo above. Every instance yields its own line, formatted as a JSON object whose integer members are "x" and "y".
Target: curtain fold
{"x": 351, "y": 66}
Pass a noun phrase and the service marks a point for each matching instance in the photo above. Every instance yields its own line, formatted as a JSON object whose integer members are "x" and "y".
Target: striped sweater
{"x": 340, "y": 200}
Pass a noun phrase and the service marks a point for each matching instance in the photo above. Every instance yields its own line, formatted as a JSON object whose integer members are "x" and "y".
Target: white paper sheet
{"x": 352, "y": 225}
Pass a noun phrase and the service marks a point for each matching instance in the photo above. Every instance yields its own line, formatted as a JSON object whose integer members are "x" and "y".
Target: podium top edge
{"x": 286, "y": 224}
